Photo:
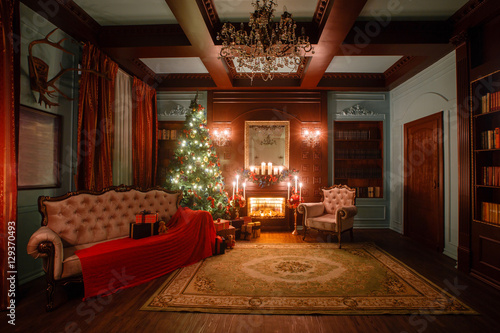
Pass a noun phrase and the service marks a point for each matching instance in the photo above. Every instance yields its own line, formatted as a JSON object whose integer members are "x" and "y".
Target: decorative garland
{"x": 266, "y": 180}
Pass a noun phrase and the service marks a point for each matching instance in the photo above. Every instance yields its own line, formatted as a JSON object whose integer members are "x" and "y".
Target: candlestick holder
{"x": 293, "y": 206}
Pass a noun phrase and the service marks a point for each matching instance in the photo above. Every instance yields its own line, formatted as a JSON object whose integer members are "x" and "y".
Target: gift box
{"x": 142, "y": 230}
{"x": 226, "y": 232}
{"x": 146, "y": 217}
{"x": 256, "y": 230}
{"x": 221, "y": 225}
{"x": 246, "y": 231}
{"x": 220, "y": 245}
{"x": 237, "y": 223}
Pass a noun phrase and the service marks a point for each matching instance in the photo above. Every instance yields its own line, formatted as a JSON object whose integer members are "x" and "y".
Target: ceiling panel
{"x": 175, "y": 65}
{"x": 239, "y": 10}
{"x": 361, "y": 64}
{"x": 411, "y": 9}
{"x": 128, "y": 12}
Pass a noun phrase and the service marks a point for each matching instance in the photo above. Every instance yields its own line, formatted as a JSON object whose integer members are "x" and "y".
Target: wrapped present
{"x": 146, "y": 217}
{"x": 237, "y": 223}
{"x": 221, "y": 224}
{"x": 139, "y": 230}
{"x": 142, "y": 230}
{"x": 246, "y": 231}
{"x": 226, "y": 232}
{"x": 220, "y": 245}
{"x": 256, "y": 230}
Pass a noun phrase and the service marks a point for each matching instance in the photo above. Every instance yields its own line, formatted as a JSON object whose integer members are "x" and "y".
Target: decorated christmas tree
{"x": 195, "y": 167}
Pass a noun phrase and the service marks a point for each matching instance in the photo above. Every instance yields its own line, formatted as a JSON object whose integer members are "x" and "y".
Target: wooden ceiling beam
{"x": 340, "y": 19}
{"x": 190, "y": 18}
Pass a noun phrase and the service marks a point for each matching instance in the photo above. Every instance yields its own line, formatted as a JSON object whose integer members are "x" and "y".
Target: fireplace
{"x": 266, "y": 207}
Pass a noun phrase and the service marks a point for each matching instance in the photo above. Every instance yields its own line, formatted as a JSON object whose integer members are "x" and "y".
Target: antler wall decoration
{"x": 39, "y": 72}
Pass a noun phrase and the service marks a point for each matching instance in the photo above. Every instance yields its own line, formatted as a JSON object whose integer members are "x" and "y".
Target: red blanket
{"x": 123, "y": 263}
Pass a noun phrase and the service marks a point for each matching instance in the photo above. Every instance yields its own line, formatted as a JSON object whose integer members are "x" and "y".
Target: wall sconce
{"x": 221, "y": 138}
{"x": 311, "y": 137}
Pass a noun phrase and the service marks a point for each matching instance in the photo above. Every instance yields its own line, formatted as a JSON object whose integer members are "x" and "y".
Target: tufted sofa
{"x": 334, "y": 214}
{"x": 78, "y": 220}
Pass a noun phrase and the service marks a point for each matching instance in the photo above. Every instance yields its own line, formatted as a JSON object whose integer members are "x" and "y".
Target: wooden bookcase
{"x": 168, "y": 133}
{"x": 485, "y": 145}
{"x": 359, "y": 156}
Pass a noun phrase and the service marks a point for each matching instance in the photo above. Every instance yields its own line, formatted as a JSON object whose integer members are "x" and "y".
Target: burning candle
{"x": 280, "y": 169}
{"x": 288, "y": 196}
{"x": 252, "y": 168}
{"x": 263, "y": 168}
{"x": 270, "y": 168}
{"x": 233, "y": 189}
{"x": 300, "y": 193}
{"x": 296, "y": 184}
{"x": 237, "y": 179}
{"x": 244, "y": 190}
{"x": 275, "y": 170}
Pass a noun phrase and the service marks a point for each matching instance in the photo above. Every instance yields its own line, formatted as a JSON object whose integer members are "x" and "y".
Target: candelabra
{"x": 222, "y": 138}
{"x": 312, "y": 138}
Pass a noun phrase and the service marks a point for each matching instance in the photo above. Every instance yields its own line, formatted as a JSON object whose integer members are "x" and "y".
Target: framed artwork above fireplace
{"x": 267, "y": 142}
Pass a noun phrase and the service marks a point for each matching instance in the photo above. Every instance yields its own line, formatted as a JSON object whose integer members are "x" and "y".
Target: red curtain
{"x": 95, "y": 121}
{"x": 144, "y": 133}
{"x": 8, "y": 160}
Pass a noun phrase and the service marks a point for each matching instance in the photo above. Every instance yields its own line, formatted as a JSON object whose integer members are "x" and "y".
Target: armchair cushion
{"x": 324, "y": 222}
{"x": 337, "y": 197}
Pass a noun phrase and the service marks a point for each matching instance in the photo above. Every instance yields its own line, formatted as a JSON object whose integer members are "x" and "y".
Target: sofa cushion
{"x": 71, "y": 262}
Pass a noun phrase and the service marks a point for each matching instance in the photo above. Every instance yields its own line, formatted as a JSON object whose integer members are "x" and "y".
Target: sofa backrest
{"x": 81, "y": 218}
{"x": 338, "y": 196}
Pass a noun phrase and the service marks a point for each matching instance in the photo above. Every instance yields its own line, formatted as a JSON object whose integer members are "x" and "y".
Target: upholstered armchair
{"x": 335, "y": 214}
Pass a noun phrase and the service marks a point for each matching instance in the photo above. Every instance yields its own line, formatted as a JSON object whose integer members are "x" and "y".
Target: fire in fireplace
{"x": 266, "y": 208}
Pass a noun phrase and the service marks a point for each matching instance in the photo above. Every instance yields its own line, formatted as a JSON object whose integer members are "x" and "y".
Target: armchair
{"x": 335, "y": 214}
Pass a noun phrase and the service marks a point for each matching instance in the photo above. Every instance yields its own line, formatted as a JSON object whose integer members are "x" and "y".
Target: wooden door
{"x": 423, "y": 185}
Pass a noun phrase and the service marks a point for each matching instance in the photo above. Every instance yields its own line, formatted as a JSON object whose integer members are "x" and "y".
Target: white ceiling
{"x": 128, "y": 12}
{"x": 361, "y": 64}
{"x": 175, "y": 65}
{"x": 239, "y": 10}
{"x": 411, "y": 9}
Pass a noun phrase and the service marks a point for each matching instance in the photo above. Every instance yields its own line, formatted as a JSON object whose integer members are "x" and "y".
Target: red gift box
{"x": 220, "y": 245}
{"x": 221, "y": 225}
{"x": 146, "y": 217}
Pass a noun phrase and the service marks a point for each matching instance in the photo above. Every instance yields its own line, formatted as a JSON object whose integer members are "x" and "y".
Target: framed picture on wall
{"x": 39, "y": 160}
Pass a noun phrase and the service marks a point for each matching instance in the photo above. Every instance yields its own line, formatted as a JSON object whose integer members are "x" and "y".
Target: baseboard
{"x": 31, "y": 277}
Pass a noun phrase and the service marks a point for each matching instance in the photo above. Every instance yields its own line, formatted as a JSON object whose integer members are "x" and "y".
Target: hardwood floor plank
{"x": 120, "y": 312}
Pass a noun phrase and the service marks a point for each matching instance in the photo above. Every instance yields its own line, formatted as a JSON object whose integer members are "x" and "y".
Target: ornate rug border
{"x": 380, "y": 311}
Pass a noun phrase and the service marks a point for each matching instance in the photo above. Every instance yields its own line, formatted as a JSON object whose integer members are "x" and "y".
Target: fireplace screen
{"x": 267, "y": 208}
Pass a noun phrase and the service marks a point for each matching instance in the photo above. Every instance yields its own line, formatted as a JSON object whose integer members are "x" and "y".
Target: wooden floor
{"x": 119, "y": 312}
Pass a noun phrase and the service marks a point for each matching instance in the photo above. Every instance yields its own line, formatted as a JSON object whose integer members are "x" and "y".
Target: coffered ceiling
{"x": 359, "y": 44}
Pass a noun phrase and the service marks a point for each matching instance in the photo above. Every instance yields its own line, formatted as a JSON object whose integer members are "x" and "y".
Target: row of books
{"x": 165, "y": 134}
{"x": 357, "y": 134}
{"x": 368, "y": 192}
{"x": 358, "y": 153}
{"x": 365, "y": 173}
{"x": 490, "y": 139}
{"x": 490, "y": 212}
{"x": 491, "y": 176}
{"x": 490, "y": 102}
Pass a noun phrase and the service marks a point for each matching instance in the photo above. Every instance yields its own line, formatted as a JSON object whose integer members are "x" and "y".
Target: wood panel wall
{"x": 304, "y": 110}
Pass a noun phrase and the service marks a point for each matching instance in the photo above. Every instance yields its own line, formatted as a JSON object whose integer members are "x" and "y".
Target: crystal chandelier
{"x": 266, "y": 48}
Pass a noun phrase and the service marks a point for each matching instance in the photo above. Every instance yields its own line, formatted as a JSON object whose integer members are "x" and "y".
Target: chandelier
{"x": 266, "y": 48}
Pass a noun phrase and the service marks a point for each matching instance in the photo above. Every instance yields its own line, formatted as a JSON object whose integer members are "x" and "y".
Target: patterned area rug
{"x": 302, "y": 279}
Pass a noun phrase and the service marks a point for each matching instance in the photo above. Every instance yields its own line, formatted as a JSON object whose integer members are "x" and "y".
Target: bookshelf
{"x": 485, "y": 155}
{"x": 358, "y": 157}
{"x": 168, "y": 132}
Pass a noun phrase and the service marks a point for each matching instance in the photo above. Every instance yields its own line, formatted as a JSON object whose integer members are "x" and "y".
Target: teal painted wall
{"x": 33, "y": 27}
{"x": 373, "y": 212}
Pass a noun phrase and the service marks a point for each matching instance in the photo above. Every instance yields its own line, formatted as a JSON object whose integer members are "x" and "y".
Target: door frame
{"x": 440, "y": 151}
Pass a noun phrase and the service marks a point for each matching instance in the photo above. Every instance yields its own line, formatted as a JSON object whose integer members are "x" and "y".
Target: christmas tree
{"x": 195, "y": 167}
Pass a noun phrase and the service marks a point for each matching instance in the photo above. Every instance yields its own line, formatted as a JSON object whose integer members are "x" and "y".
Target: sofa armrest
{"x": 311, "y": 209}
{"x": 347, "y": 212}
{"x": 45, "y": 243}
